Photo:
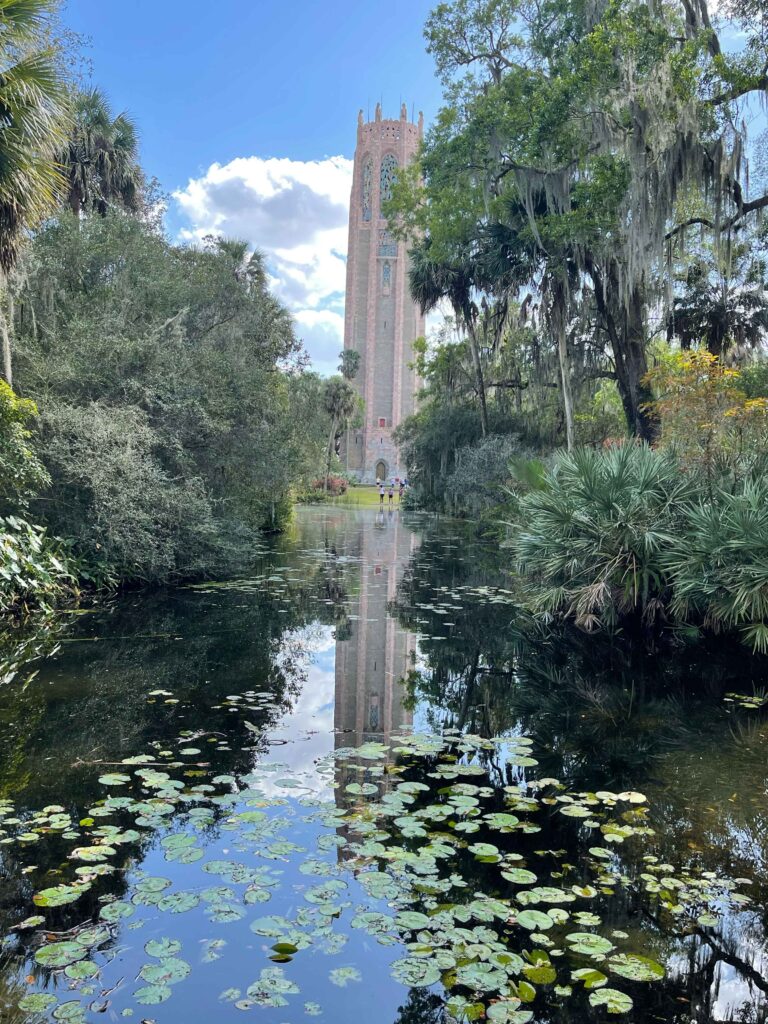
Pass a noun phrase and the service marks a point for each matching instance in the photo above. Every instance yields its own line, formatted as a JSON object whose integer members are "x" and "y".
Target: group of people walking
{"x": 395, "y": 483}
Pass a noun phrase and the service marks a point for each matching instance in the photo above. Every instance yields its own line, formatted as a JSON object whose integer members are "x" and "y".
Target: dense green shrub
{"x": 718, "y": 563}
{"x": 111, "y": 495}
{"x": 592, "y": 540}
{"x": 34, "y": 569}
{"x": 176, "y": 417}
{"x": 626, "y": 537}
{"x": 21, "y": 472}
{"x": 334, "y": 485}
{"x": 481, "y": 475}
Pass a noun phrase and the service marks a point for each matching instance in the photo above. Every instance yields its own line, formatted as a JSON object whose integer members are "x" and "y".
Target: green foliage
{"x": 100, "y": 160}
{"x": 349, "y": 363}
{"x": 175, "y": 419}
{"x": 522, "y": 418}
{"x": 706, "y": 417}
{"x": 429, "y": 441}
{"x": 722, "y": 304}
{"x": 478, "y": 484}
{"x": 340, "y": 402}
{"x": 21, "y": 472}
{"x": 753, "y": 379}
{"x": 574, "y": 149}
{"x": 34, "y": 569}
{"x": 601, "y": 417}
{"x": 112, "y": 496}
{"x": 592, "y": 542}
{"x": 626, "y": 537}
{"x": 35, "y": 121}
{"x": 718, "y": 569}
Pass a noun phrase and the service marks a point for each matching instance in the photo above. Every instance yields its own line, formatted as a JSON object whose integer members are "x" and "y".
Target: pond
{"x": 358, "y": 784}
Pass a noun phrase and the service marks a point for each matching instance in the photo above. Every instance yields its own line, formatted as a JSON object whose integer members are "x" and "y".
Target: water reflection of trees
{"x": 66, "y": 715}
{"x": 606, "y": 716}
{"x": 601, "y": 716}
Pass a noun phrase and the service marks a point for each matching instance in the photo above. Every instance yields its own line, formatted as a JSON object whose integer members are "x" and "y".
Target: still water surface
{"x": 213, "y": 766}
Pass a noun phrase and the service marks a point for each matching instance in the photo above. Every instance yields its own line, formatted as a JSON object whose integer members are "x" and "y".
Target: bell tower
{"x": 381, "y": 321}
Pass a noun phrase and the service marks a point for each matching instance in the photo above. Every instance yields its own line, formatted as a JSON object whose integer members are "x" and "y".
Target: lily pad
{"x": 179, "y": 902}
{"x": 613, "y": 1000}
{"x": 82, "y": 970}
{"x": 507, "y": 1011}
{"x": 116, "y": 911}
{"x": 160, "y": 949}
{"x": 535, "y": 920}
{"x": 37, "y": 1002}
{"x": 114, "y": 779}
{"x": 60, "y": 954}
{"x": 168, "y": 971}
{"x": 152, "y": 995}
{"x": 636, "y": 968}
{"x": 588, "y": 943}
{"x": 342, "y": 976}
{"x": 416, "y": 972}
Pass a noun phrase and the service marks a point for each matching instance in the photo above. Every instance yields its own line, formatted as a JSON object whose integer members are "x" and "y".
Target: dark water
{"x": 241, "y": 709}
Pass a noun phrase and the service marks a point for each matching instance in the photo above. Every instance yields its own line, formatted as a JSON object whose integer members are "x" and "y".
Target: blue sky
{"x": 247, "y": 111}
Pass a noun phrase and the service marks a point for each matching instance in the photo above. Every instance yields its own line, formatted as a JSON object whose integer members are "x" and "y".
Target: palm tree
{"x": 34, "y": 118}
{"x": 249, "y": 267}
{"x": 340, "y": 400}
{"x": 430, "y": 281}
{"x": 349, "y": 366}
{"x": 100, "y": 160}
{"x": 349, "y": 363}
{"x": 722, "y": 309}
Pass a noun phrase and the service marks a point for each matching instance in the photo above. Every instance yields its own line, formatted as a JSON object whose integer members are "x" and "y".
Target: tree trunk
{"x": 641, "y": 395}
{"x": 331, "y": 439}
{"x": 565, "y": 376}
{"x": 5, "y": 331}
{"x": 480, "y": 382}
{"x": 33, "y": 318}
{"x": 626, "y": 331}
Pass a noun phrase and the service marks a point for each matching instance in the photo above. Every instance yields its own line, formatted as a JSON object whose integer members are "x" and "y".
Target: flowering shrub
{"x": 705, "y": 415}
{"x": 336, "y": 485}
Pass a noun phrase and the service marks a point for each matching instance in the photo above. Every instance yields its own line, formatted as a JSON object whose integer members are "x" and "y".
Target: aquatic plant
{"x": 419, "y": 849}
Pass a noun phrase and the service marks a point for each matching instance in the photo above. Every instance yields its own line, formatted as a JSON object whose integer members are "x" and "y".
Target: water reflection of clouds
{"x": 728, "y": 994}
{"x": 305, "y": 733}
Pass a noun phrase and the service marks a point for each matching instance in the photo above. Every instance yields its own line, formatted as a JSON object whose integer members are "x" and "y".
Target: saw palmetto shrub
{"x": 631, "y": 537}
{"x": 718, "y": 564}
{"x": 594, "y": 536}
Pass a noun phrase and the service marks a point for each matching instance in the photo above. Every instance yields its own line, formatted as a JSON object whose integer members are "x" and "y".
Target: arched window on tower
{"x": 367, "y": 188}
{"x": 386, "y": 278}
{"x": 388, "y": 177}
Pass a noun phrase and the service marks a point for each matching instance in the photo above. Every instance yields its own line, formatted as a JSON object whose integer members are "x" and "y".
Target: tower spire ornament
{"x": 381, "y": 321}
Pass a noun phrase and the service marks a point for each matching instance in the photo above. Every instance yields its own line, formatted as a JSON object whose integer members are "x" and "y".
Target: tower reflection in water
{"x": 374, "y": 659}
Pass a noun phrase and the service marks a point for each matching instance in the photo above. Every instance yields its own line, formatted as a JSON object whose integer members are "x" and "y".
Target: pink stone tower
{"x": 381, "y": 321}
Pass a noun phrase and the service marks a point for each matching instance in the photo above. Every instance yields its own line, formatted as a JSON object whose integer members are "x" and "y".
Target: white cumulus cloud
{"x": 295, "y": 211}
{"x": 323, "y": 334}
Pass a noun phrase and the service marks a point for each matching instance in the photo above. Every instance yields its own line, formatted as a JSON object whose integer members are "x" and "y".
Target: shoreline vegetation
{"x": 506, "y": 754}
{"x": 596, "y": 396}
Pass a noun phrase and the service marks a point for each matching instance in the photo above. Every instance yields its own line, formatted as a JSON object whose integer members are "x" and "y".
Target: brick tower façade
{"x": 381, "y": 321}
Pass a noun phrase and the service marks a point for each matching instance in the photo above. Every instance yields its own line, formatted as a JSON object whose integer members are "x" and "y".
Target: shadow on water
{"x": 353, "y": 629}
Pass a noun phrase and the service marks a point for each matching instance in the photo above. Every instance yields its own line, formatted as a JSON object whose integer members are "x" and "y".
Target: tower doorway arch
{"x": 381, "y": 470}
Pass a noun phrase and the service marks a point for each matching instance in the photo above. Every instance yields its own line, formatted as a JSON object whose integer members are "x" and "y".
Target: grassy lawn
{"x": 361, "y": 497}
